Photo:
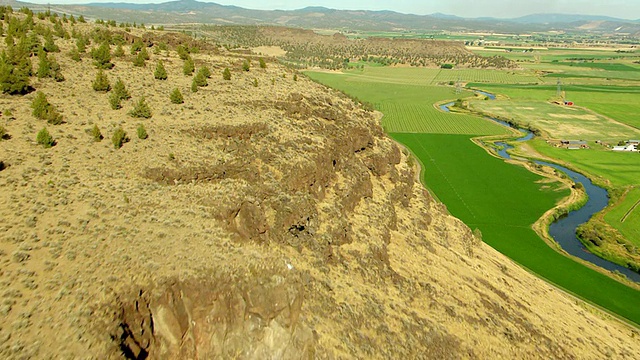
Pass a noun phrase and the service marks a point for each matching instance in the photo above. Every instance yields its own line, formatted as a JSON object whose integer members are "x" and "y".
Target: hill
{"x": 265, "y": 217}
{"x": 191, "y": 11}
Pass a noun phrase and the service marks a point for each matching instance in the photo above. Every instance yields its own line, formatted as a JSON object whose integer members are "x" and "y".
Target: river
{"x": 563, "y": 230}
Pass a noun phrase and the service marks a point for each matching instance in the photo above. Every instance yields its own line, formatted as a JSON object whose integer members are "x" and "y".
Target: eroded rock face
{"x": 229, "y": 316}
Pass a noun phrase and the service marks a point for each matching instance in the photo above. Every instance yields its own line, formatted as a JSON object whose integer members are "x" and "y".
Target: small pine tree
{"x": 206, "y": 72}
{"x": 49, "y": 44}
{"x": 119, "y": 51}
{"x": 295, "y": 77}
{"x": 188, "y": 68}
{"x": 263, "y": 65}
{"x": 101, "y": 83}
{"x": 136, "y": 47}
{"x": 81, "y": 44}
{"x": 81, "y": 19}
{"x": 44, "y": 65}
{"x": 121, "y": 90}
{"x": 194, "y": 85}
{"x": 226, "y": 74}
{"x": 102, "y": 56}
{"x": 255, "y": 82}
{"x": 144, "y": 54}
{"x": 176, "y": 96}
{"x": 141, "y": 109}
{"x": 74, "y": 54}
{"x": 142, "y": 132}
{"x": 96, "y": 134}
{"x": 115, "y": 101}
{"x": 246, "y": 66}
{"x": 161, "y": 72}
{"x": 45, "y": 139}
{"x": 42, "y": 109}
{"x": 119, "y": 138}
{"x": 183, "y": 52}
{"x": 201, "y": 78}
{"x": 139, "y": 60}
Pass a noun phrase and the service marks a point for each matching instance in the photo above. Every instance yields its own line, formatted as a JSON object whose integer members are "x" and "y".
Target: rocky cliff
{"x": 275, "y": 221}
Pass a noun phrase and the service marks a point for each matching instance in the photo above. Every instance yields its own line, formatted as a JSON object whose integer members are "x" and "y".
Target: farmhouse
{"x": 631, "y": 145}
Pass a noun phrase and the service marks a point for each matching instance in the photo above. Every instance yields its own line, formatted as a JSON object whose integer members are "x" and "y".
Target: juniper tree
{"x": 43, "y": 110}
{"x": 201, "y": 78}
{"x": 44, "y": 65}
{"x": 263, "y": 65}
{"x": 139, "y": 60}
{"x": 176, "y": 96}
{"x": 15, "y": 69}
{"x": 245, "y": 65}
{"x": 121, "y": 90}
{"x": 226, "y": 74}
{"x": 119, "y": 138}
{"x": 44, "y": 138}
{"x": 141, "y": 109}
{"x": 96, "y": 134}
{"x": 142, "y": 132}
{"x": 101, "y": 82}
{"x": 102, "y": 56}
{"x": 188, "y": 68}
{"x": 161, "y": 72}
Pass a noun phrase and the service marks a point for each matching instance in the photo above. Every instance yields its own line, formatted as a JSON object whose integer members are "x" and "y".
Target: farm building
{"x": 631, "y": 145}
{"x": 575, "y": 144}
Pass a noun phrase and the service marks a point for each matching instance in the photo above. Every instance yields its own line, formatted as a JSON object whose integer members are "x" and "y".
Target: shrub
{"x": 101, "y": 82}
{"x": 119, "y": 51}
{"x": 194, "y": 85}
{"x": 139, "y": 60}
{"x": 15, "y": 69}
{"x": 200, "y": 79}
{"x": 295, "y": 77}
{"x": 42, "y": 109}
{"x": 121, "y": 90}
{"x": 255, "y": 82}
{"x": 44, "y": 65}
{"x": 188, "y": 68}
{"x": 74, "y": 54}
{"x": 144, "y": 54}
{"x": 119, "y": 138}
{"x": 115, "y": 101}
{"x": 136, "y": 47}
{"x": 142, "y": 132}
{"x": 96, "y": 134}
{"x": 102, "y": 56}
{"x": 226, "y": 74}
{"x": 3, "y": 133}
{"x": 205, "y": 72}
{"x": 141, "y": 109}
{"x": 44, "y": 138}
{"x": 49, "y": 44}
{"x": 263, "y": 65}
{"x": 176, "y": 96}
{"x": 246, "y": 66}
{"x": 161, "y": 72}
{"x": 183, "y": 52}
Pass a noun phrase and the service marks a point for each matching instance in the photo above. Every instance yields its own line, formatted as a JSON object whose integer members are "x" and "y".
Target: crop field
{"x": 503, "y": 201}
{"x": 621, "y": 168}
{"x": 409, "y": 108}
{"x": 500, "y": 199}
{"x": 559, "y": 121}
{"x": 626, "y": 216}
{"x": 430, "y": 76}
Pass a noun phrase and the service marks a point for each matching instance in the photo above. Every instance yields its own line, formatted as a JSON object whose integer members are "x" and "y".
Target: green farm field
{"x": 627, "y": 216}
{"x": 504, "y": 214}
{"x": 558, "y": 121}
{"x": 409, "y": 108}
{"x": 500, "y": 199}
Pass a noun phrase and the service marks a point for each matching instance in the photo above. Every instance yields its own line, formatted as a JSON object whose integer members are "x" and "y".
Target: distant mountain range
{"x": 191, "y": 11}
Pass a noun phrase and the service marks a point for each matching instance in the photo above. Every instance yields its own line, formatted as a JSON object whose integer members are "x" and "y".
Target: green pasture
{"x": 503, "y": 200}
{"x": 621, "y": 168}
{"x": 619, "y": 103}
{"x": 559, "y": 121}
{"x": 409, "y": 108}
{"x": 626, "y": 216}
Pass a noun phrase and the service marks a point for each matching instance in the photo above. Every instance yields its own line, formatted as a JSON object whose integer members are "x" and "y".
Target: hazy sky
{"x": 626, "y": 9}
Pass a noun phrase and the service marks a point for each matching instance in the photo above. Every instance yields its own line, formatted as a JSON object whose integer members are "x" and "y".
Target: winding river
{"x": 563, "y": 230}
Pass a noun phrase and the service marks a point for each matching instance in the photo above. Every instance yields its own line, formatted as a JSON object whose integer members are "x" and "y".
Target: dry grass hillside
{"x": 270, "y": 221}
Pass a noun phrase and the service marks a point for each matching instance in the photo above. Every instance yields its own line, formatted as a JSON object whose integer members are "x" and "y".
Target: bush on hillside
{"x": 43, "y": 110}
{"x": 142, "y": 132}
{"x": 141, "y": 109}
{"x": 161, "y": 72}
{"x": 44, "y": 138}
{"x": 176, "y": 96}
{"x": 119, "y": 138}
{"x": 101, "y": 82}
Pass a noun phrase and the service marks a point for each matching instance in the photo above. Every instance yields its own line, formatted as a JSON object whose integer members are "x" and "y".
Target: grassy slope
{"x": 464, "y": 177}
{"x": 504, "y": 214}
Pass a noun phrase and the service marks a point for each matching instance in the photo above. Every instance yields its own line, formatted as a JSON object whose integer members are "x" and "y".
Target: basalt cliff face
{"x": 275, "y": 221}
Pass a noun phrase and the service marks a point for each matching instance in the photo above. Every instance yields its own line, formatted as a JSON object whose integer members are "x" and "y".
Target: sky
{"x": 625, "y": 9}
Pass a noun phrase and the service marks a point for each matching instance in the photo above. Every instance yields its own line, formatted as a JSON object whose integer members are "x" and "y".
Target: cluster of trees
{"x": 305, "y": 48}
